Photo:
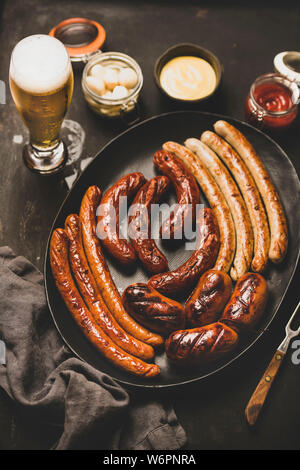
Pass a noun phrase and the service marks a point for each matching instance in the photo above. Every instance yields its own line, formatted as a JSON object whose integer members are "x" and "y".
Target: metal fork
{"x": 259, "y": 395}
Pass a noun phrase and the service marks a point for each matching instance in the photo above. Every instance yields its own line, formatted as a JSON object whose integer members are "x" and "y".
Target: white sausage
{"x": 251, "y": 196}
{"x": 276, "y": 216}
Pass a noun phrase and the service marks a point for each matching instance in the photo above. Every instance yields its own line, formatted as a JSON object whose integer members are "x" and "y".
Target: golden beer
{"x": 43, "y": 113}
{"x": 41, "y": 83}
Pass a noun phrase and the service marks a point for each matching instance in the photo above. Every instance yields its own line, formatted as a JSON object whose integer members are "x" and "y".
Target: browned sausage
{"x": 153, "y": 309}
{"x": 210, "y": 342}
{"x": 184, "y": 278}
{"x": 75, "y": 304}
{"x": 100, "y": 270}
{"x": 108, "y": 229}
{"x": 215, "y": 199}
{"x": 90, "y": 293}
{"x": 275, "y": 212}
{"x": 140, "y": 225}
{"x": 187, "y": 193}
{"x": 201, "y": 345}
{"x": 247, "y": 303}
{"x": 209, "y": 298}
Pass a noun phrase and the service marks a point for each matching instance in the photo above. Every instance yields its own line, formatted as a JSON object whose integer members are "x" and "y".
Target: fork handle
{"x": 259, "y": 395}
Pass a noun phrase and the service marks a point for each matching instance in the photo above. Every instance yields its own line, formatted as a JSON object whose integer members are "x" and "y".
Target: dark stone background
{"x": 245, "y": 38}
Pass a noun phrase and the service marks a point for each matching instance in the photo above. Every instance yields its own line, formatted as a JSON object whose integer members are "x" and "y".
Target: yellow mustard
{"x": 188, "y": 78}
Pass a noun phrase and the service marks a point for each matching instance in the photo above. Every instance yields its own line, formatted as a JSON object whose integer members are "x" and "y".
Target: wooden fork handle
{"x": 259, "y": 395}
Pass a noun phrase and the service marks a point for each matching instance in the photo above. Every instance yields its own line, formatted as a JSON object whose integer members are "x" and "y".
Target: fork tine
{"x": 288, "y": 325}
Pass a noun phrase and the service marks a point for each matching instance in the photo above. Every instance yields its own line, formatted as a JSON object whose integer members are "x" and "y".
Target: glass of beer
{"x": 41, "y": 83}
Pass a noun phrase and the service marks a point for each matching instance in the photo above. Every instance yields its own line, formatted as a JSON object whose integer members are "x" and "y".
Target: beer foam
{"x": 39, "y": 64}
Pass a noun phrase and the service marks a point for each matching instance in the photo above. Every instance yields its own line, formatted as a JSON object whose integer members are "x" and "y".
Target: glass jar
{"x": 81, "y": 37}
{"x": 272, "y": 102}
{"x": 287, "y": 63}
{"x": 108, "y": 107}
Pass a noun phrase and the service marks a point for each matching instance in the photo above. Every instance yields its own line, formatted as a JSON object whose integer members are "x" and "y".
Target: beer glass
{"x": 41, "y": 84}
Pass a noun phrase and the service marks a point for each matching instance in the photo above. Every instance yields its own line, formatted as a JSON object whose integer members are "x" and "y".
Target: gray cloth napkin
{"x": 89, "y": 409}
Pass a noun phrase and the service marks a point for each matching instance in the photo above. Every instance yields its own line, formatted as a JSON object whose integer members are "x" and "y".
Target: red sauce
{"x": 272, "y": 97}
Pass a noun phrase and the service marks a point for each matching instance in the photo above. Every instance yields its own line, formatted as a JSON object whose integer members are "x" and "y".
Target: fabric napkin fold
{"x": 87, "y": 407}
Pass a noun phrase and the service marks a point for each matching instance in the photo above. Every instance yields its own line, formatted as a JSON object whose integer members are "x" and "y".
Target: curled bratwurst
{"x": 140, "y": 234}
{"x": 187, "y": 193}
{"x": 184, "y": 278}
{"x": 216, "y": 201}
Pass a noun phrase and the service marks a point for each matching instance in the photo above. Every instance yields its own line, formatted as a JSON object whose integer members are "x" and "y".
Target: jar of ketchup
{"x": 272, "y": 102}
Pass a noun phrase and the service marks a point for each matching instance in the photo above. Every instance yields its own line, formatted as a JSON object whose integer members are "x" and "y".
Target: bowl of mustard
{"x": 188, "y": 72}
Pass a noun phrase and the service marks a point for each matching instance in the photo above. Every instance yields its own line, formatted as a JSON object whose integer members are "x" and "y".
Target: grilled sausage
{"x": 65, "y": 284}
{"x": 210, "y": 342}
{"x": 247, "y": 303}
{"x": 216, "y": 201}
{"x": 152, "y": 309}
{"x": 183, "y": 279}
{"x": 90, "y": 293}
{"x": 275, "y": 212}
{"x": 187, "y": 193}
{"x": 100, "y": 270}
{"x": 108, "y": 212}
{"x": 208, "y": 298}
{"x": 243, "y": 229}
{"x": 201, "y": 345}
{"x": 251, "y": 196}
{"x": 140, "y": 225}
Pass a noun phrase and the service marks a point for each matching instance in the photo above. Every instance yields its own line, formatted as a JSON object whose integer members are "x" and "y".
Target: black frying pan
{"x": 133, "y": 151}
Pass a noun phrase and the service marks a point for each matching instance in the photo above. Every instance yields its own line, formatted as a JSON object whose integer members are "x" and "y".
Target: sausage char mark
{"x": 208, "y": 299}
{"x": 247, "y": 303}
{"x": 152, "y": 309}
{"x": 201, "y": 345}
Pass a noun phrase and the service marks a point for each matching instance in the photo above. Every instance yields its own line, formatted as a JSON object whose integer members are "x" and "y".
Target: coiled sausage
{"x": 108, "y": 212}
{"x": 215, "y": 199}
{"x": 184, "y": 278}
{"x": 140, "y": 225}
{"x": 187, "y": 193}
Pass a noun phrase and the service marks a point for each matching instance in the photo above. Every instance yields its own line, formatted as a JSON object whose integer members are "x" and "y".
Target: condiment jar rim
{"x": 81, "y": 53}
{"x": 267, "y": 77}
{"x": 112, "y": 55}
{"x": 281, "y": 67}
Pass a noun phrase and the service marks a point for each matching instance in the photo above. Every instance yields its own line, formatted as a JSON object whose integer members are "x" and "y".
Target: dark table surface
{"x": 245, "y": 38}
